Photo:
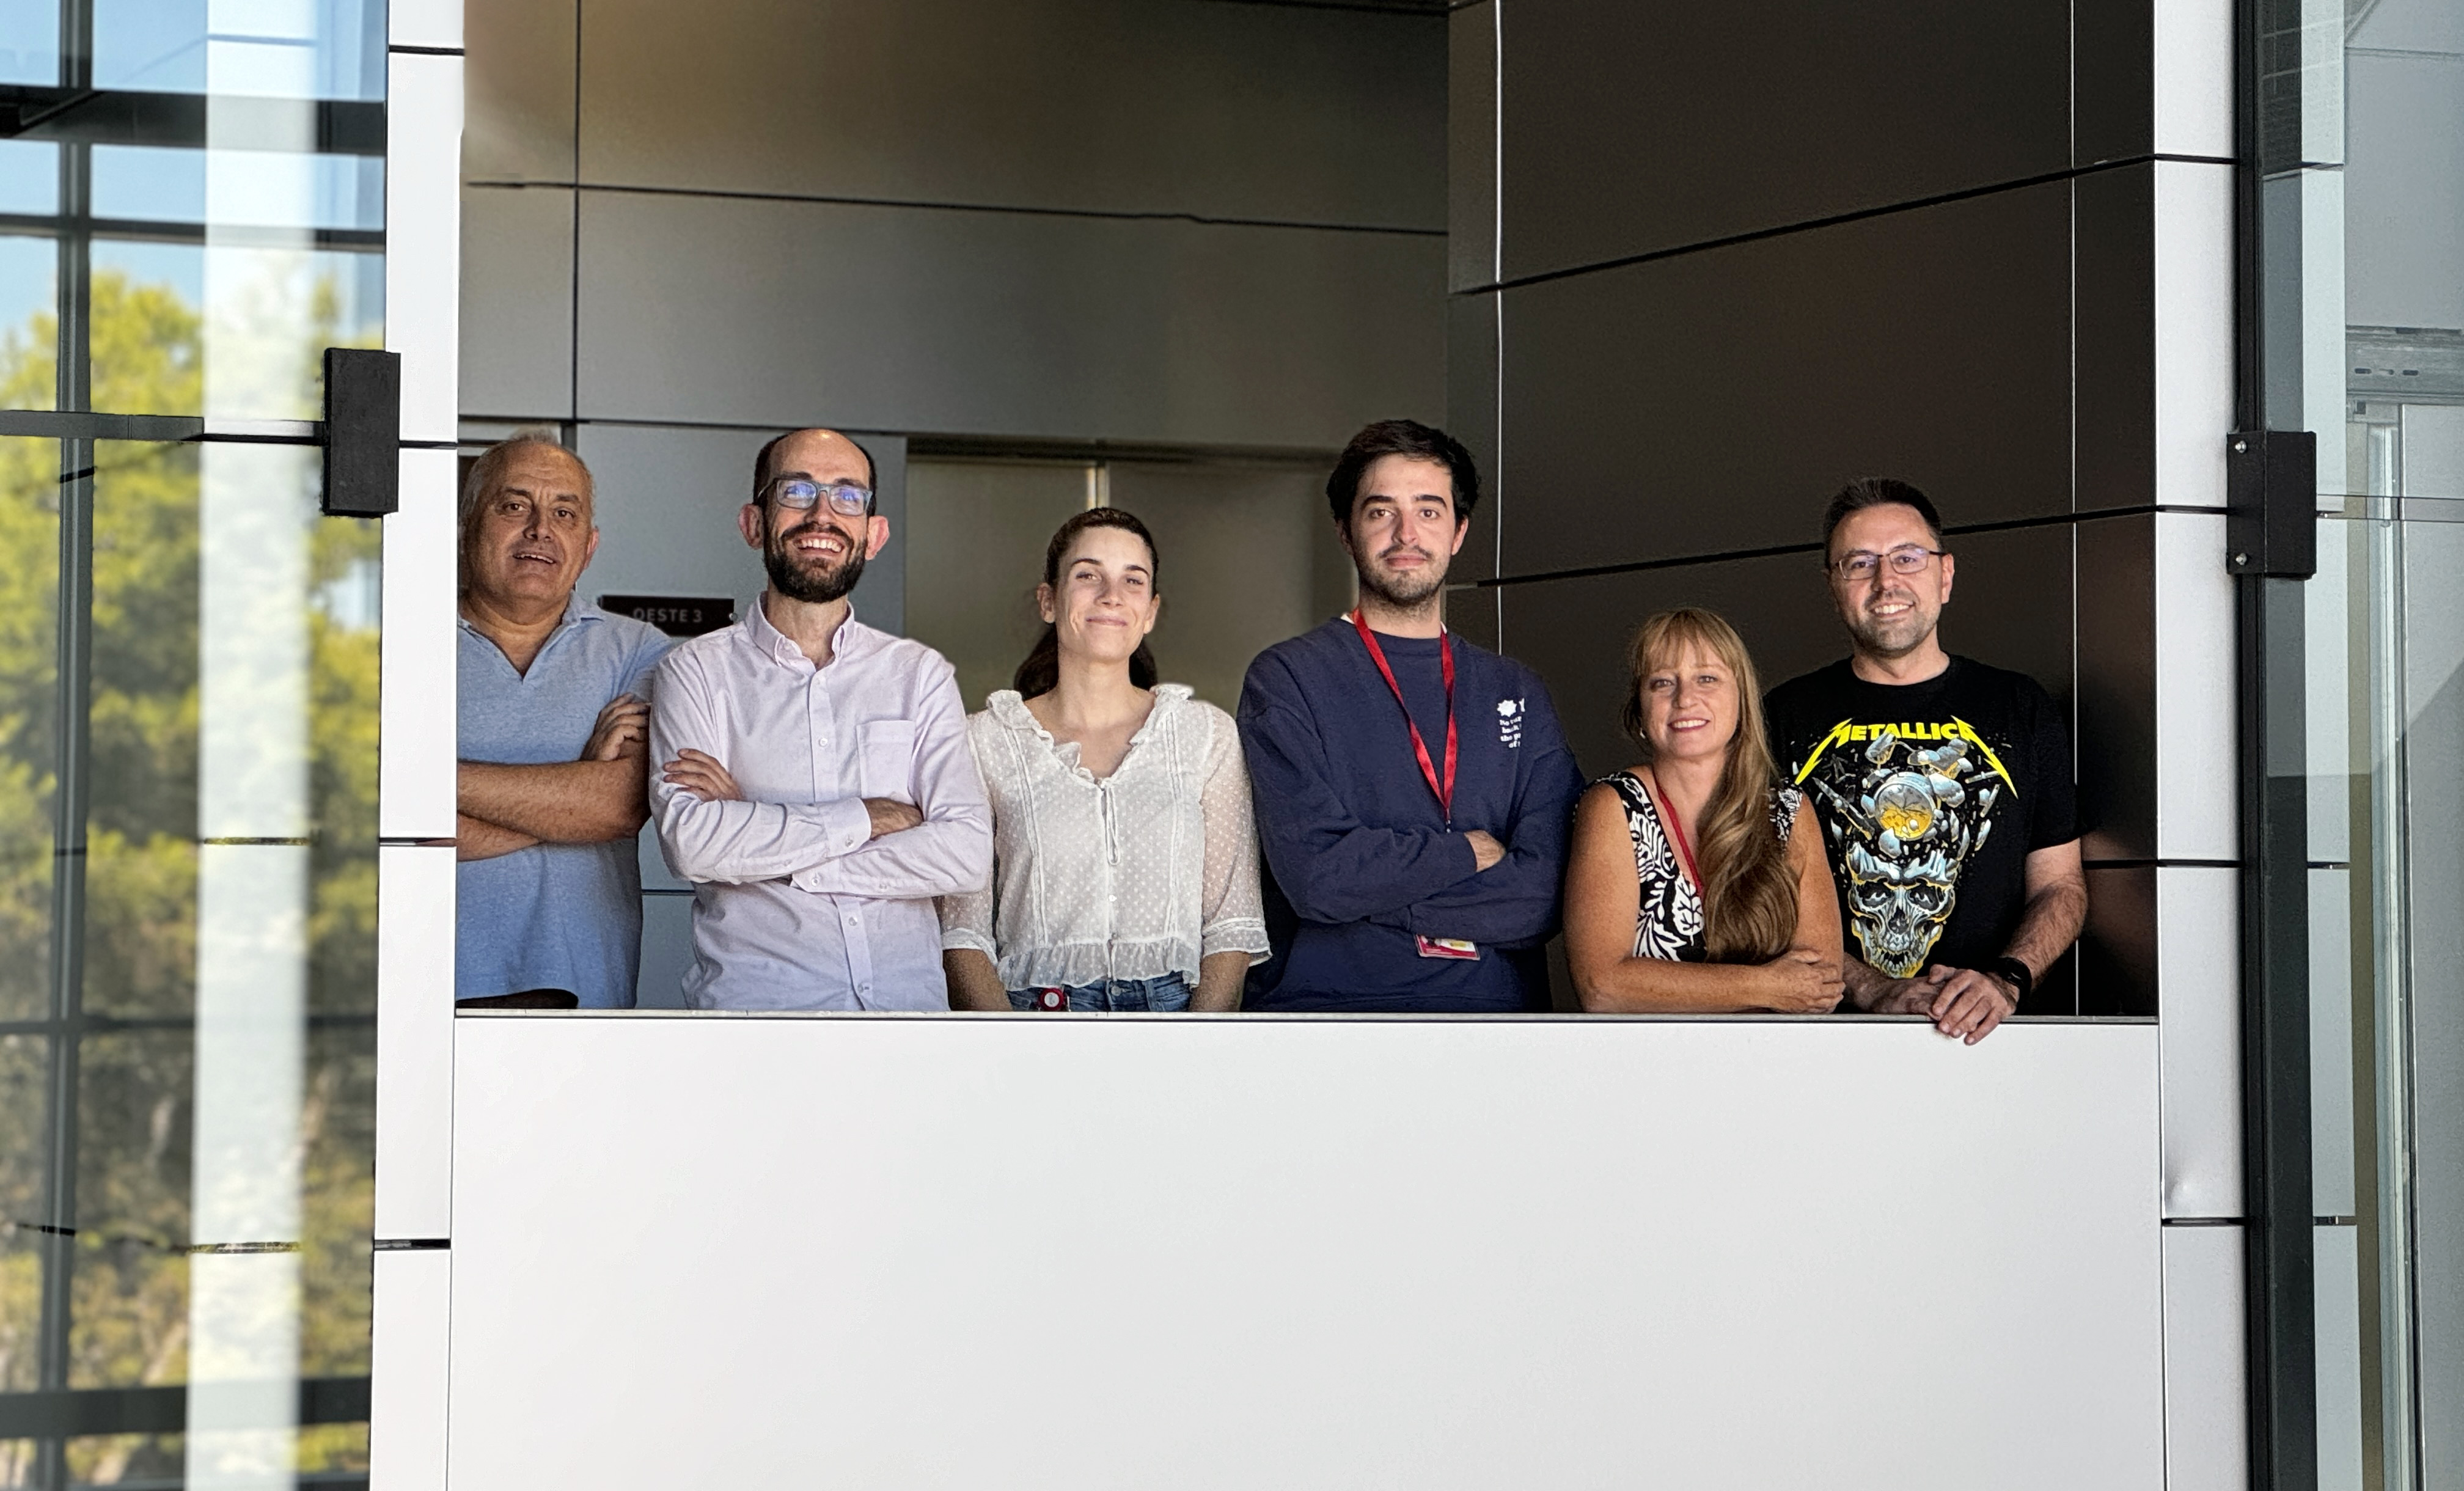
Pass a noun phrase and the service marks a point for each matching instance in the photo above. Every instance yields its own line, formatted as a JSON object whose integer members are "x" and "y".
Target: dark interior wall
{"x": 1710, "y": 264}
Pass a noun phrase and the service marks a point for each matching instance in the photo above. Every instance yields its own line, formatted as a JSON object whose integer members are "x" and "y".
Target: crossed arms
{"x": 595, "y": 799}
{"x": 886, "y": 847}
{"x": 1499, "y": 890}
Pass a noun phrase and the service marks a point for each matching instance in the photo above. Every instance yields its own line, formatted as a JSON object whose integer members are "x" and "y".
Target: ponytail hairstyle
{"x": 1041, "y": 670}
{"x": 1749, "y": 889}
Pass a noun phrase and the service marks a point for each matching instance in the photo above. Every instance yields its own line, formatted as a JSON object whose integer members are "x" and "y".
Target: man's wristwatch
{"x": 2022, "y": 982}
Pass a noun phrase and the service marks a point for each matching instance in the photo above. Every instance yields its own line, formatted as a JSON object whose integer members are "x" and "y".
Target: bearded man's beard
{"x": 801, "y": 581}
{"x": 1895, "y": 638}
{"x": 1403, "y": 591}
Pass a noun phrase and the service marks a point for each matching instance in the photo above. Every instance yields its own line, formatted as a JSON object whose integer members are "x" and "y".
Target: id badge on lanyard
{"x": 1454, "y": 947}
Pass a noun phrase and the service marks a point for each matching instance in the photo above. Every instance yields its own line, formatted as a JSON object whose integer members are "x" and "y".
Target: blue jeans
{"x": 1165, "y": 994}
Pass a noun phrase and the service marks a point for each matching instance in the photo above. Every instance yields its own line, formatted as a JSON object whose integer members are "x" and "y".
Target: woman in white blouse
{"x": 1125, "y": 858}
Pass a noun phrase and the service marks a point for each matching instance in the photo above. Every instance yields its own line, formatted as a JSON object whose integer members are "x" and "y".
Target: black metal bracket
{"x": 362, "y": 432}
{"x": 2271, "y": 503}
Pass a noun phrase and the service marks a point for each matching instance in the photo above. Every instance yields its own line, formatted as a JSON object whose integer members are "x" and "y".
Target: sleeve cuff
{"x": 1232, "y": 935}
{"x": 847, "y": 825}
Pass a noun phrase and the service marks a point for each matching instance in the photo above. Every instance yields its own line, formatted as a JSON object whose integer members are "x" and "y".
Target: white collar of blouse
{"x": 1010, "y": 709}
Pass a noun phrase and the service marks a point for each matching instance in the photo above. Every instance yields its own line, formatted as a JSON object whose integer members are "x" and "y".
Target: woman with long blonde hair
{"x": 1697, "y": 883}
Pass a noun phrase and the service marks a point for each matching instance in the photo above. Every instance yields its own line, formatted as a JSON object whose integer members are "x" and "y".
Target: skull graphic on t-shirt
{"x": 1907, "y": 812}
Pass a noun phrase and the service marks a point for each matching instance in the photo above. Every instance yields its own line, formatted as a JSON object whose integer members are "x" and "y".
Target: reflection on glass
{"x": 29, "y": 551}
{"x": 259, "y": 354}
{"x": 28, "y": 300}
{"x": 129, "y": 1316}
{"x": 253, "y": 188}
{"x": 223, "y": 1178}
{"x": 261, "y": 48}
{"x": 2386, "y": 676}
{"x": 23, "y": 1061}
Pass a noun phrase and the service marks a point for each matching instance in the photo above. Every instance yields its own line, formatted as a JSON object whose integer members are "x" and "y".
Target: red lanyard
{"x": 1677, "y": 832}
{"x": 1444, "y": 790}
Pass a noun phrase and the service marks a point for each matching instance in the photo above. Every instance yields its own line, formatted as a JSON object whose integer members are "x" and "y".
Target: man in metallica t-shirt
{"x": 1944, "y": 785}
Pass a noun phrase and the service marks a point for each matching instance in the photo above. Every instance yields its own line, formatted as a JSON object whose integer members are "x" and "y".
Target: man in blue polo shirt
{"x": 1413, "y": 791}
{"x": 554, "y": 741}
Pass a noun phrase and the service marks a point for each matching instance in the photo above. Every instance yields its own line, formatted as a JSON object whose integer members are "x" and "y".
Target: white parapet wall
{"x": 1055, "y": 1251}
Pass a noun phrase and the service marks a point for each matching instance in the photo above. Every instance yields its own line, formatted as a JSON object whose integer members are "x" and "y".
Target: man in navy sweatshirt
{"x": 1413, "y": 790}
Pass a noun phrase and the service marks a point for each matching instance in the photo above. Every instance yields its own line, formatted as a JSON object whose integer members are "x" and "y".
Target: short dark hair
{"x": 1878, "y": 492}
{"x": 761, "y": 461}
{"x": 1400, "y": 437}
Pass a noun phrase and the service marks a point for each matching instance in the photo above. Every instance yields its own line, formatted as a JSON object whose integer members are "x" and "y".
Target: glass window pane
{"x": 265, "y": 48}
{"x": 251, "y": 188}
{"x": 142, "y": 750}
{"x": 233, "y": 331}
{"x": 30, "y": 326}
{"x": 30, "y": 169}
{"x": 30, "y": 539}
{"x": 23, "y": 1063}
{"x": 129, "y": 1291}
{"x": 29, "y": 51}
{"x": 147, "y": 1459}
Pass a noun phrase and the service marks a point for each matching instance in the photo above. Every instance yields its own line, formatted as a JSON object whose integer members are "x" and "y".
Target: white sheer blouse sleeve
{"x": 1234, "y": 920}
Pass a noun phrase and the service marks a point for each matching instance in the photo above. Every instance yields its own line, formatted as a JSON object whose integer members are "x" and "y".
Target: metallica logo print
{"x": 1905, "y": 806}
{"x": 1931, "y": 797}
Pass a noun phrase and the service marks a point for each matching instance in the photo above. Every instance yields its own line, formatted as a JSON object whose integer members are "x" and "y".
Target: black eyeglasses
{"x": 846, "y": 498}
{"x": 1908, "y": 558}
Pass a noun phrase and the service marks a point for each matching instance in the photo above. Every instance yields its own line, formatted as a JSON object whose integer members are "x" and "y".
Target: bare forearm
{"x": 2050, "y": 925}
{"x": 478, "y": 839}
{"x": 562, "y": 802}
{"x": 1660, "y": 986}
{"x": 975, "y": 984}
{"x": 1867, "y": 985}
{"x": 1220, "y": 980}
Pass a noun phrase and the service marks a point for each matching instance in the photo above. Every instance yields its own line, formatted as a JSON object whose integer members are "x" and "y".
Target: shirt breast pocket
{"x": 886, "y": 765}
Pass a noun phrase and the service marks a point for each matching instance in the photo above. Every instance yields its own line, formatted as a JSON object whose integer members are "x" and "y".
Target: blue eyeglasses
{"x": 846, "y": 498}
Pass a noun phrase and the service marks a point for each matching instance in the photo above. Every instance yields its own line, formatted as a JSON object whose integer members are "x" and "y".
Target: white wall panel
{"x": 423, "y": 236}
{"x": 2341, "y": 1439}
{"x": 2198, "y": 920}
{"x": 2206, "y": 1445}
{"x": 758, "y": 312}
{"x": 408, "y": 1370}
{"x": 2197, "y": 809}
{"x": 518, "y": 302}
{"x": 423, "y": 23}
{"x": 414, "y": 1041}
{"x": 415, "y": 790}
{"x": 2193, "y": 332}
{"x": 2193, "y": 76}
{"x": 1305, "y": 1253}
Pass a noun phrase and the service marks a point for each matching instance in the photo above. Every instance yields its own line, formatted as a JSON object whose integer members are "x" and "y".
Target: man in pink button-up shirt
{"x": 818, "y": 789}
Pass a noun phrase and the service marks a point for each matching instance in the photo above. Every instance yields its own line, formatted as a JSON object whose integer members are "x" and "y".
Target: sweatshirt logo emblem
{"x": 1510, "y": 723}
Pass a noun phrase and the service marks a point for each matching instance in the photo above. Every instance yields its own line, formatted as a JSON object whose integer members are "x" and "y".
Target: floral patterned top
{"x": 1669, "y": 922}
